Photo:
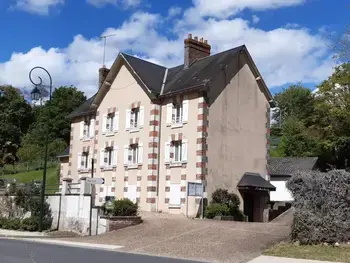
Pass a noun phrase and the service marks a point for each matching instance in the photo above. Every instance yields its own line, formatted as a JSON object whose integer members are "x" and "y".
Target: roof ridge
{"x": 133, "y": 56}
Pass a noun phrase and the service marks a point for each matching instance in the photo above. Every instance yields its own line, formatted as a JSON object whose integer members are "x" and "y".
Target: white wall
{"x": 281, "y": 193}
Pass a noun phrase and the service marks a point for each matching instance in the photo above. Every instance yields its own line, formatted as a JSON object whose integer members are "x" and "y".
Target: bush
{"x": 214, "y": 210}
{"x": 11, "y": 223}
{"x": 124, "y": 207}
{"x": 322, "y": 207}
{"x": 3, "y": 220}
{"x": 222, "y": 196}
{"x": 30, "y": 224}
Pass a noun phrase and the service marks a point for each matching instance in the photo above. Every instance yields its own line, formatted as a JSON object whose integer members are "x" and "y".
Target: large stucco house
{"x": 152, "y": 129}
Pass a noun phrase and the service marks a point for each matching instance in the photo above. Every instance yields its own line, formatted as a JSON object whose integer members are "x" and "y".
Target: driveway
{"x": 194, "y": 239}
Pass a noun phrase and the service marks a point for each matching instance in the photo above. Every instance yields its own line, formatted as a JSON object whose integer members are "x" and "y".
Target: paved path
{"x": 268, "y": 259}
{"x": 22, "y": 251}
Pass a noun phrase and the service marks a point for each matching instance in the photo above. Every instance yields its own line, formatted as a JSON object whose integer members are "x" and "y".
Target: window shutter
{"x": 169, "y": 113}
{"x": 185, "y": 111}
{"x": 167, "y": 152}
{"x": 104, "y": 123}
{"x": 102, "y": 157}
{"x": 82, "y": 129}
{"x": 115, "y": 155}
{"x": 140, "y": 152}
{"x": 89, "y": 162}
{"x": 116, "y": 121}
{"x": 92, "y": 128}
{"x": 79, "y": 161}
{"x": 142, "y": 116}
{"x": 127, "y": 119}
{"x": 126, "y": 155}
{"x": 184, "y": 150}
{"x": 175, "y": 194}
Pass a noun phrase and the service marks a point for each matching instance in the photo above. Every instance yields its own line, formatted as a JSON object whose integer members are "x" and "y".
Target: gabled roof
{"x": 254, "y": 181}
{"x": 288, "y": 166}
{"x": 158, "y": 81}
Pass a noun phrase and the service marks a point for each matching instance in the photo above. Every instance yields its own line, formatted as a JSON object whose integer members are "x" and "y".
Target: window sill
{"x": 132, "y": 166}
{"x": 84, "y": 171}
{"x": 109, "y": 134}
{"x": 177, "y": 164}
{"x": 86, "y": 139}
{"x": 174, "y": 206}
{"x": 132, "y": 130}
{"x": 109, "y": 168}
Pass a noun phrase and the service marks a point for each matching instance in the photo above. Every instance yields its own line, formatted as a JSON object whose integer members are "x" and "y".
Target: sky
{"x": 289, "y": 40}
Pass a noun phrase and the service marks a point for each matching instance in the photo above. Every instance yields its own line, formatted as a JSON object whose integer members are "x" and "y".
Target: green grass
{"x": 317, "y": 252}
{"x": 27, "y": 177}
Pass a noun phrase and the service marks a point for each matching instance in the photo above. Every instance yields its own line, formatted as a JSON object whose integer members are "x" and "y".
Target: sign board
{"x": 195, "y": 189}
{"x": 95, "y": 180}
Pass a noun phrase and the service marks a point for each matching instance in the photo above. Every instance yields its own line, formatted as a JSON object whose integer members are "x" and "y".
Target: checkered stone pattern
{"x": 202, "y": 126}
{"x": 267, "y": 135}
{"x": 167, "y": 183}
{"x": 153, "y": 160}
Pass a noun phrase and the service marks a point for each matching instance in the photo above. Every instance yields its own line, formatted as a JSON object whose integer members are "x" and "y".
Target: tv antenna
{"x": 104, "y": 47}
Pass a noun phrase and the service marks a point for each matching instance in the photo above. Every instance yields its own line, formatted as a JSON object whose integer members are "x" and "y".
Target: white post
{"x": 65, "y": 185}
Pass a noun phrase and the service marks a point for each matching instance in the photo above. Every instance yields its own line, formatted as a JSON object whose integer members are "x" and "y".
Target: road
{"x": 21, "y": 251}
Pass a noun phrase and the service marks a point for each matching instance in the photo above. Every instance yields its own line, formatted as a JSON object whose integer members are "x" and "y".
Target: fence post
{"x": 65, "y": 185}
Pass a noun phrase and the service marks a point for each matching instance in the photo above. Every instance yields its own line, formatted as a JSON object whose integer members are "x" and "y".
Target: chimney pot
{"x": 190, "y": 36}
{"x": 201, "y": 39}
{"x": 196, "y": 38}
{"x": 205, "y": 41}
{"x": 195, "y": 50}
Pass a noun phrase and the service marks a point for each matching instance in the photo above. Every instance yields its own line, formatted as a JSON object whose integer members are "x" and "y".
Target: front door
{"x": 249, "y": 206}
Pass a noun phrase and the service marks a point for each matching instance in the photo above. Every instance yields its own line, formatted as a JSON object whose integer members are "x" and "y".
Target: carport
{"x": 255, "y": 191}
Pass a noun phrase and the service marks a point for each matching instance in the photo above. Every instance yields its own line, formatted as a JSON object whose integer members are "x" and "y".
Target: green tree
{"x": 15, "y": 118}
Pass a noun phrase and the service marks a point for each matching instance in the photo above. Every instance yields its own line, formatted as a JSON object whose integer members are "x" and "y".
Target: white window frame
{"x": 177, "y": 146}
{"x": 133, "y": 154}
{"x": 179, "y": 151}
{"x": 177, "y": 113}
{"x": 110, "y": 123}
{"x": 84, "y": 161}
{"x": 86, "y": 129}
{"x": 134, "y": 118}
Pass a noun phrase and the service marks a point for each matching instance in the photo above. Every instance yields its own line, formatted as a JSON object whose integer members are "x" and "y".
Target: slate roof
{"x": 288, "y": 166}
{"x": 65, "y": 153}
{"x": 178, "y": 79}
{"x": 253, "y": 181}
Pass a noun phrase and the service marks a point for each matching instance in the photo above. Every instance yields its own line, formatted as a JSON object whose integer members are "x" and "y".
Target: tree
{"x": 15, "y": 118}
{"x": 29, "y": 152}
{"x": 53, "y": 115}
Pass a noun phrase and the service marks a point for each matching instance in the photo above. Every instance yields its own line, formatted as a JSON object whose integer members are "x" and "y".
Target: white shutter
{"x": 184, "y": 150}
{"x": 116, "y": 121}
{"x": 102, "y": 157}
{"x": 92, "y": 128}
{"x": 131, "y": 194}
{"x": 126, "y": 155}
{"x": 169, "y": 113}
{"x": 104, "y": 123}
{"x": 82, "y": 129}
{"x": 175, "y": 194}
{"x": 140, "y": 157}
{"x": 115, "y": 155}
{"x": 167, "y": 152}
{"x": 185, "y": 111}
{"x": 127, "y": 119}
{"x": 142, "y": 116}
{"x": 79, "y": 161}
{"x": 89, "y": 162}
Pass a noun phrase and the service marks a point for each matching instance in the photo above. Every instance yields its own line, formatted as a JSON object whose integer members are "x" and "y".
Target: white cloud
{"x": 283, "y": 55}
{"x": 226, "y": 8}
{"x": 118, "y": 3}
{"x": 41, "y": 7}
{"x": 174, "y": 11}
{"x": 255, "y": 19}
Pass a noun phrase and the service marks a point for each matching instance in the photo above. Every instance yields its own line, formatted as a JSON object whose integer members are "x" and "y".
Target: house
{"x": 64, "y": 162}
{"x": 282, "y": 168}
{"x": 151, "y": 129}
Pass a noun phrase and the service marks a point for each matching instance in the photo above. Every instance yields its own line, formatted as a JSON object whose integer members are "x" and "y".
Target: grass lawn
{"x": 27, "y": 177}
{"x": 319, "y": 252}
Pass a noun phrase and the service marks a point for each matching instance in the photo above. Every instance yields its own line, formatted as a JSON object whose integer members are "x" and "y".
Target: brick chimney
{"x": 102, "y": 74}
{"x": 195, "y": 49}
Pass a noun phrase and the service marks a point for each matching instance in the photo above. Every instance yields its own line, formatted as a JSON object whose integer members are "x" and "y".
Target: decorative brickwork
{"x": 267, "y": 135}
{"x": 202, "y": 126}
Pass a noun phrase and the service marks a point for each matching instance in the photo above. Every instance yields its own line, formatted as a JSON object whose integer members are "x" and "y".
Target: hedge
{"x": 322, "y": 207}
{"x": 27, "y": 224}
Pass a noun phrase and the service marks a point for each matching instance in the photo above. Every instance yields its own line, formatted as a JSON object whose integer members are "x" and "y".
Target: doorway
{"x": 248, "y": 206}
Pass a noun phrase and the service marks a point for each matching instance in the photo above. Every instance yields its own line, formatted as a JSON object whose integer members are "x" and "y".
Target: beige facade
{"x": 64, "y": 166}
{"x": 148, "y": 148}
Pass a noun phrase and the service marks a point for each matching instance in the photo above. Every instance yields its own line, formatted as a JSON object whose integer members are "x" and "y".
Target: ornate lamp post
{"x": 36, "y": 95}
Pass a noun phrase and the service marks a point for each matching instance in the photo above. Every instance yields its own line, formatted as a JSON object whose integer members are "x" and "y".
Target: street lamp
{"x": 35, "y": 95}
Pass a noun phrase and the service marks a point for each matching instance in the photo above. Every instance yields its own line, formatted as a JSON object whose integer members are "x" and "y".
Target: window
{"x": 86, "y": 130}
{"x": 177, "y": 113}
{"x": 134, "y": 117}
{"x": 84, "y": 161}
{"x": 110, "y": 123}
{"x": 133, "y": 154}
{"x": 177, "y": 151}
{"x": 108, "y": 156}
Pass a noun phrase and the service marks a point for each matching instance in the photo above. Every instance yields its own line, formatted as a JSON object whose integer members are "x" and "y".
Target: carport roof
{"x": 288, "y": 166}
{"x": 254, "y": 181}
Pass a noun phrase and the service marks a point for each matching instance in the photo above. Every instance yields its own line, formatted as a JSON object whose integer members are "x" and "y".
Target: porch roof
{"x": 253, "y": 181}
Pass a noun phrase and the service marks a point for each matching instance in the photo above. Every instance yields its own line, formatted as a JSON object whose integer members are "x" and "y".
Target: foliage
{"x": 216, "y": 209}
{"x": 30, "y": 224}
{"x": 224, "y": 203}
{"x": 10, "y": 223}
{"x": 322, "y": 207}
{"x": 27, "y": 224}
{"x": 124, "y": 207}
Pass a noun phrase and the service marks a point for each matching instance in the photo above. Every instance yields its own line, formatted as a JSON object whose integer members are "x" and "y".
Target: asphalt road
{"x": 21, "y": 251}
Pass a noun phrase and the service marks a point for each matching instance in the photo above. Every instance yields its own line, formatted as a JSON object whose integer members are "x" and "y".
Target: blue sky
{"x": 287, "y": 38}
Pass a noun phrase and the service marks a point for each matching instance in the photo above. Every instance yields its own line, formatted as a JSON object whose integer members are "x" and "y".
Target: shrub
{"x": 11, "y": 223}
{"x": 222, "y": 196}
{"x": 214, "y": 210}
{"x": 30, "y": 224}
{"x": 2, "y": 221}
{"x": 124, "y": 207}
{"x": 231, "y": 202}
{"x": 322, "y": 207}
